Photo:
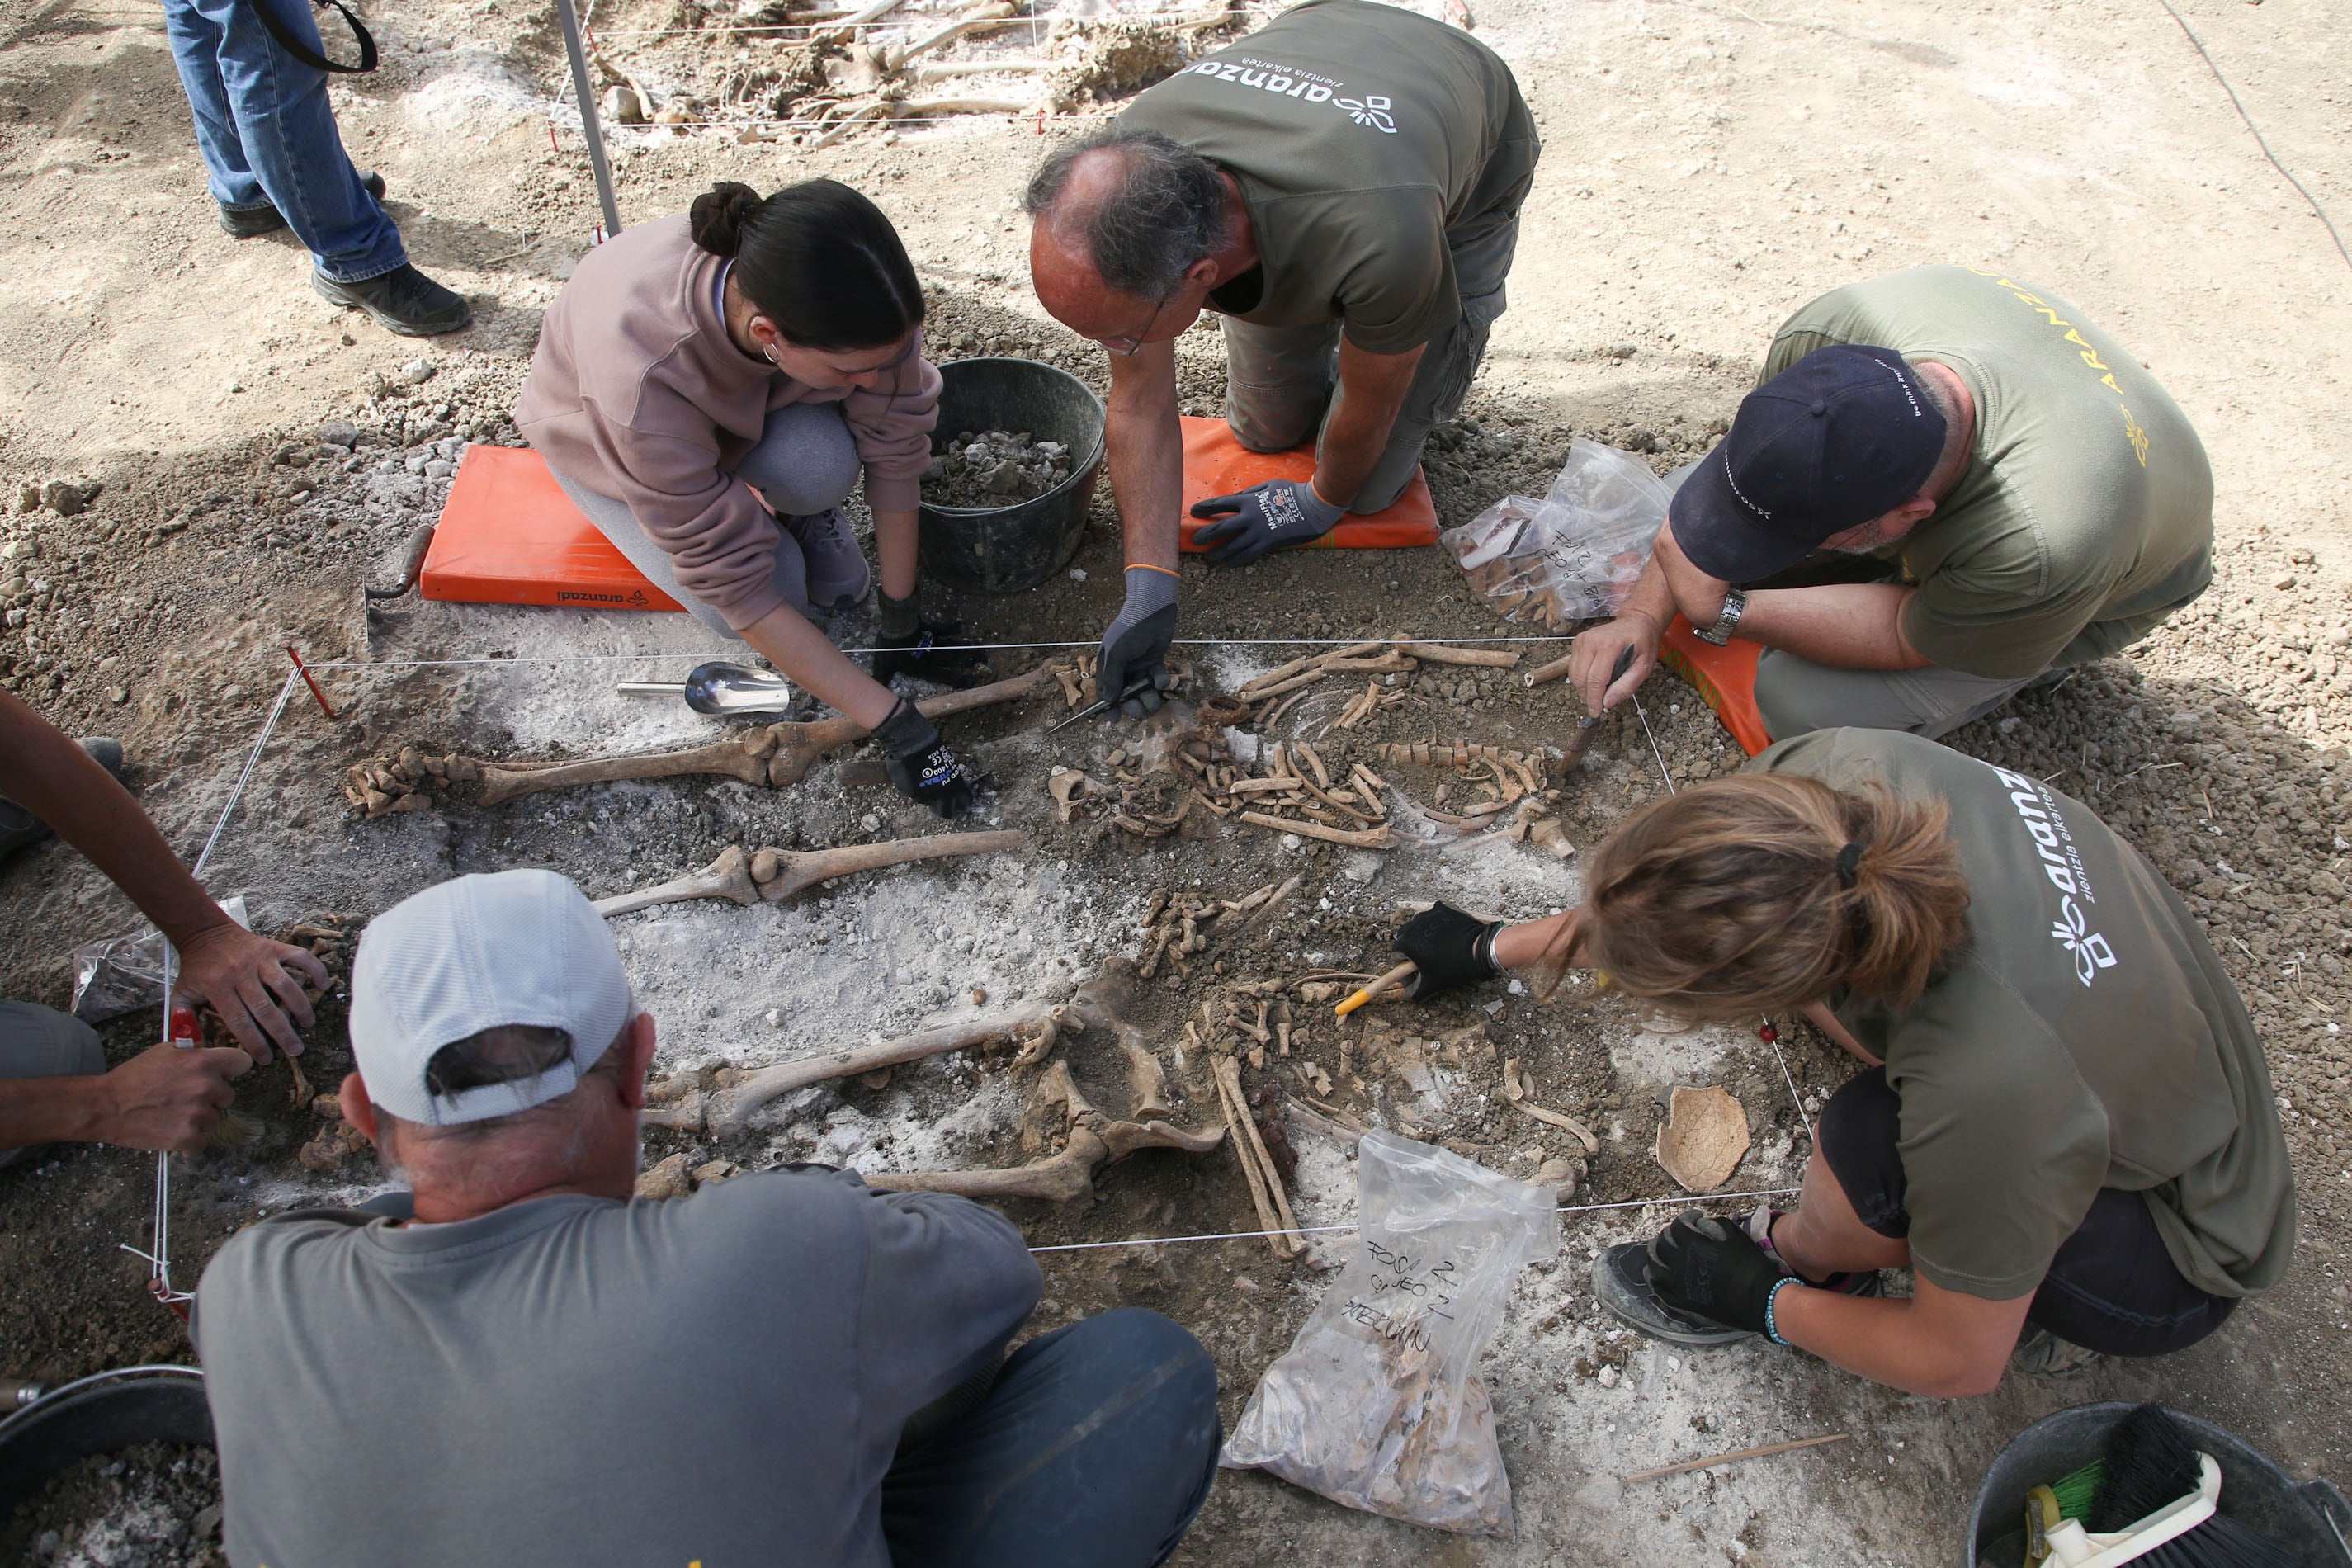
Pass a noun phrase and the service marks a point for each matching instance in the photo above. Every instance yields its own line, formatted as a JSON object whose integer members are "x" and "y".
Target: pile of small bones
{"x": 996, "y": 468}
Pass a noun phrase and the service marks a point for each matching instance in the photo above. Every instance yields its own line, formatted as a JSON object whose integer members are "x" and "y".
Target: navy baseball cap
{"x": 1843, "y": 436}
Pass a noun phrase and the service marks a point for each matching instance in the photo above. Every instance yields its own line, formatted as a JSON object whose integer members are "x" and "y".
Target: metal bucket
{"x": 1012, "y": 549}
{"x": 98, "y": 1415}
{"x": 2309, "y": 1519}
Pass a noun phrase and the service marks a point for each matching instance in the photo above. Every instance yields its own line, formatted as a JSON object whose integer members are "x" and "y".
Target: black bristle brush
{"x": 2151, "y": 1462}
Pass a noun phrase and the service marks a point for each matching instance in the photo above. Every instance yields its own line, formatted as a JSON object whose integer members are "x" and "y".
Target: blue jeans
{"x": 268, "y": 136}
{"x": 1094, "y": 1450}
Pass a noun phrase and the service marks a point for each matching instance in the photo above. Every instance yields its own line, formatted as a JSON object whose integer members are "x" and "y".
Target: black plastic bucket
{"x": 2302, "y": 1517}
{"x": 99, "y": 1414}
{"x": 1012, "y": 549}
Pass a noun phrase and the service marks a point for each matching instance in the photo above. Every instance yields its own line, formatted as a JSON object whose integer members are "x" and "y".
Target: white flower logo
{"x": 1369, "y": 109}
{"x": 2091, "y": 954}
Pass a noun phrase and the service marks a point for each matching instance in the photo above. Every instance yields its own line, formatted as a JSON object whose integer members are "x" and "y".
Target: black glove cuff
{"x": 906, "y": 732}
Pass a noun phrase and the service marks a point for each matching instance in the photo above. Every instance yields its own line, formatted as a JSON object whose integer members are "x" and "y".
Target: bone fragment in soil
{"x": 775, "y": 875}
{"x": 1266, "y": 1193}
{"x": 1516, "y": 1090}
{"x": 1366, "y": 838}
{"x": 1093, "y": 1141}
{"x": 1442, "y": 653}
{"x": 770, "y": 755}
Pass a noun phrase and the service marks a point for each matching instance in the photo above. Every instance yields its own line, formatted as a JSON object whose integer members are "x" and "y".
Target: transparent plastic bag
{"x": 1572, "y": 555}
{"x": 125, "y": 974}
{"x": 1375, "y": 1404}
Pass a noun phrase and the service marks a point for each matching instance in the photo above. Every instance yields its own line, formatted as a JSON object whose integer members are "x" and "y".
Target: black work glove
{"x": 1712, "y": 1269}
{"x": 1134, "y": 652}
{"x": 929, "y": 652}
{"x": 1274, "y": 515}
{"x": 1451, "y": 949}
{"x": 922, "y": 767}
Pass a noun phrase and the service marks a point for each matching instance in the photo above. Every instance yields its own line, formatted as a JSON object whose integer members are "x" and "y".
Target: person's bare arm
{"x": 165, "y": 1097}
{"x": 793, "y": 645}
{"x": 893, "y": 542}
{"x": 1940, "y": 1342}
{"x": 1146, "y": 453}
{"x": 1846, "y": 626}
{"x": 1640, "y": 623}
{"x": 256, "y": 984}
{"x": 1371, "y": 389}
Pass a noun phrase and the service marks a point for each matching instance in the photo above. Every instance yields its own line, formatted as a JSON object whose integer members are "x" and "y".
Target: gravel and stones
{"x": 154, "y": 1505}
{"x": 996, "y": 468}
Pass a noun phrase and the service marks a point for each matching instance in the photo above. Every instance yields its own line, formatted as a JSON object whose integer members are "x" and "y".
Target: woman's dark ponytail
{"x": 716, "y": 220}
{"x": 817, "y": 258}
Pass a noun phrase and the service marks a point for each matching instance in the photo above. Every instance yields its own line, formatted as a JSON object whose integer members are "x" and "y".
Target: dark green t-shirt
{"x": 2085, "y": 516}
{"x": 1362, "y": 136}
{"x": 2087, "y": 1039}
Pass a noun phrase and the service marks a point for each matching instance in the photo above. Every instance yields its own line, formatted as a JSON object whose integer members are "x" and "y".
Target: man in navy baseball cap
{"x": 1946, "y": 485}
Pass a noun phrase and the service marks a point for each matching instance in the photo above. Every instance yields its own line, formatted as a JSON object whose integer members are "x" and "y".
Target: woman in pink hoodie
{"x": 709, "y": 387}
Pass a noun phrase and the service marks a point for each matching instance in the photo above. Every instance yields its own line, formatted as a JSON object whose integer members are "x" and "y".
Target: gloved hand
{"x": 922, "y": 767}
{"x": 1272, "y": 516}
{"x": 1712, "y": 1269}
{"x": 1135, "y": 648}
{"x": 1451, "y": 949}
{"x": 929, "y": 652}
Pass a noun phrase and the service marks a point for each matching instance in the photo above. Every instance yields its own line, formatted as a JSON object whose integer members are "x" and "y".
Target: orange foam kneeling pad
{"x": 1217, "y": 465}
{"x": 509, "y": 535}
{"x": 1724, "y": 678}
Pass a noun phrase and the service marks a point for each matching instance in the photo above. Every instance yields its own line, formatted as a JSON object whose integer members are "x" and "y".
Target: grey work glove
{"x": 1276, "y": 515}
{"x": 1134, "y": 654}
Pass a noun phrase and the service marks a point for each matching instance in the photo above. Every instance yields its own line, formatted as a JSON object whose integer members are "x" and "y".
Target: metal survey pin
{"x": 722, "y": 691}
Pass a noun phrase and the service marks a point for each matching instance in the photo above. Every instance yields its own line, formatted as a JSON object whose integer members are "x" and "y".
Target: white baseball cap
{"x": 475, "y": 954}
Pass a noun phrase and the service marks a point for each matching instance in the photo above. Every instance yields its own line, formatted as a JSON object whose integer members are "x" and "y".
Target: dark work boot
{"x": 403, "y": 300}
{"x": 244, "y": 222}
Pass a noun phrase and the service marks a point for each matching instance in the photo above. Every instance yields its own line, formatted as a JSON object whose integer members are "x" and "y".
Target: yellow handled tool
{"x": 1388, "y": 982}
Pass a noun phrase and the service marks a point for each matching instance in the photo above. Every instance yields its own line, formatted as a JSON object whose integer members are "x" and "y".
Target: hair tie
{"x": 1849, "y": 860}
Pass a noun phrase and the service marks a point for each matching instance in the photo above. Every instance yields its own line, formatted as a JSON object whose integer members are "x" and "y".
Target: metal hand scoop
{"x": 723, "y": 691}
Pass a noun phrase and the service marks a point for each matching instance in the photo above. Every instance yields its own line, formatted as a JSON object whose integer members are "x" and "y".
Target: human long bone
{"x": 1095, "y": 1140}
{"x": 775, "y": 875}
{"x": 768, "y": 754}
{"x": 1037, "y": 1025}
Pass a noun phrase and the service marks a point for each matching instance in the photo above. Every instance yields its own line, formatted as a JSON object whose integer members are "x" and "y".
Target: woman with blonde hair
{"x": 2065, "y": 1123}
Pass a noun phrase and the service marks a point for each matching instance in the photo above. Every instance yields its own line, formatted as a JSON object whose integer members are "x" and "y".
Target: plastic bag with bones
{"x": 1375, "y": 1404}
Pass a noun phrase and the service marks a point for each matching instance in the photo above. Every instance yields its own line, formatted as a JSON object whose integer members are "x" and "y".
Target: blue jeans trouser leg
{"x": 267, "y": 133}
{"x": 1095, "y": 1447}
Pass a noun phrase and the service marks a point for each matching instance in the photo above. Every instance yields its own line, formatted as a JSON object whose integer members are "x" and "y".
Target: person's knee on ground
{"x": 807, "y": 460}
{"x": 41, "y": 1042}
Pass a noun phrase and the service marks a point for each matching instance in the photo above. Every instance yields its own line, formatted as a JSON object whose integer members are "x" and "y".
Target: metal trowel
{"x": 723, "y": 691}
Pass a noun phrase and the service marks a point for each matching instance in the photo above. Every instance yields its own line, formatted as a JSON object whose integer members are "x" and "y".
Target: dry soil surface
{"x": 1708, "y": 167}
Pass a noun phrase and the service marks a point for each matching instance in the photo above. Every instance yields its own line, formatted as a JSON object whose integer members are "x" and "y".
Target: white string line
{"x": 160, "y": 1258}
{"x": 1326, "y": 1229}
{"x": 317, "y": 665}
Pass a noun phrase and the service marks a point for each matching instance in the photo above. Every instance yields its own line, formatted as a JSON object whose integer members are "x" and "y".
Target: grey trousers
{"x": 41, "y": 1042}
{"x": 806, "y": 462}
{"x": 1279, "y": 380}
{"x": 1794, "y": 696}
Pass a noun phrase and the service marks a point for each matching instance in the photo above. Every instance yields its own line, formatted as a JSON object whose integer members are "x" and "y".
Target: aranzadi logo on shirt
{"x": 2062, "y": 863}
{"x": 1370, "y": 110}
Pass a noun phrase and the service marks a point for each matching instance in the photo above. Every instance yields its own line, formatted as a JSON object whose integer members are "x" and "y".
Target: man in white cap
{"x": 525, "y": 1366}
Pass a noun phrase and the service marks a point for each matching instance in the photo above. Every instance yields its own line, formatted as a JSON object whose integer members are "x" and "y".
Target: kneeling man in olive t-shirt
{"x": 1947, "y": 484}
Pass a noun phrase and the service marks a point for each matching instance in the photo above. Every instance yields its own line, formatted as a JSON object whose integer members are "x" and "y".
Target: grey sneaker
{"x": 2042, "y": 1354}
{"x": 1625, "y": 1294}
{"x": 838, "y": 576}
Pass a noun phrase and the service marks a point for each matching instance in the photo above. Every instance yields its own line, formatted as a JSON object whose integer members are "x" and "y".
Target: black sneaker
{"x": 402, "y": 301}
{"x": 20, "y": 829}
{"x": 244, "y": 222}
{"x": 1625, "y": 1294}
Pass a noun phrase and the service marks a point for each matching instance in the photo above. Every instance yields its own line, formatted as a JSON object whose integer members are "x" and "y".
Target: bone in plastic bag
{"x": 125, "y": 974}
{"x": 1573, "y": 555}
{"x": 1375, "y": 1404}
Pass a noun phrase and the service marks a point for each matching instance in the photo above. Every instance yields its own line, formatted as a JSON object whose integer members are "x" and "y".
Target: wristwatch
{"x": 1735, "y": 605}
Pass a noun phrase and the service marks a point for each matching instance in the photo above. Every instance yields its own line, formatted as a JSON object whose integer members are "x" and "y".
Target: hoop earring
{"x": 769, "y": 350}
